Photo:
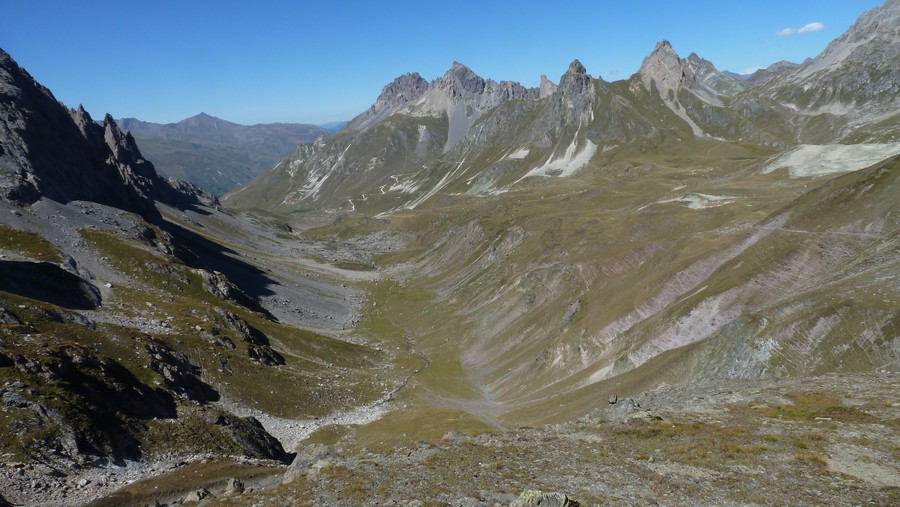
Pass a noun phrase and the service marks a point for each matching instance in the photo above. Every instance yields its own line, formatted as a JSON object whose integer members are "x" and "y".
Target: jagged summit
{"x": 576, "y": 68}
{"x": 672, "y": 77}
{"x": 404, "y": 88}
{"x": 400, "y": 91}
{"x": 460, "y": 79}
{"x": 662, "y": 66}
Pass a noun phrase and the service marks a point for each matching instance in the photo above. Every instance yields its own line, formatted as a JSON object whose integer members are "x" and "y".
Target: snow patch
{"x": 517, "y": 155}
{"x": 407, "y": 187}
{"x": 437, "y": 188}
{"x": 571, "y": 162}
{"x": 696, "y": 200}
{"x": 816, "y": 160}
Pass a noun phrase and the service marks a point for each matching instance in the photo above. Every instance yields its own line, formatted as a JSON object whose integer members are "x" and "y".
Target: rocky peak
{"x": 460, "y": 80}
{"x": 399, "y": 92}
{"x": 576, "y": 68}
{"x": 403, "y": 89}
{"x": 662, "y": 67}
{"x": 576, "y": 80}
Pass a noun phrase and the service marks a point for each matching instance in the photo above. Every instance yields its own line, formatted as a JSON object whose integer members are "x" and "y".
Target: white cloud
{"x": 749, "y": 70}
{"x": 811, "y": 27}
{"x": 807, "y": 28}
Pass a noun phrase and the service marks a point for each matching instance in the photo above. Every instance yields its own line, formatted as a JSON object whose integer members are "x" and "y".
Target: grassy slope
{"x": 509, "y": 297}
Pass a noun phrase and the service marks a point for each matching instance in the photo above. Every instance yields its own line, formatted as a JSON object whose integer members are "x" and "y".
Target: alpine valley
{"x": 680, "y": 288}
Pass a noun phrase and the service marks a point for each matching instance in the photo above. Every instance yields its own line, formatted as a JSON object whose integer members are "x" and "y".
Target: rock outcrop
{"x": 547, "y": 87}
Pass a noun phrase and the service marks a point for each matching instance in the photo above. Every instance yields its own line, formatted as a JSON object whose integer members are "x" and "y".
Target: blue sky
{"x": 313, "y": 62}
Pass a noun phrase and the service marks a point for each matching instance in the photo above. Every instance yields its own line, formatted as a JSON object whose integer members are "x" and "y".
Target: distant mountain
{"x": 774, "y": 70}
{"x": 333, "y": 126}
{"x": 477, "y": 135}
{"x": 215, "y": 154}
{"x": 735, "y": 74}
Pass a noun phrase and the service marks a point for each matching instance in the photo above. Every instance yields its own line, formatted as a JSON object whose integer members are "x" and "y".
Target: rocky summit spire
{"x": 576, "y": 68}
{"x": 576, "y": 79}
{"x": 662, "y": 66}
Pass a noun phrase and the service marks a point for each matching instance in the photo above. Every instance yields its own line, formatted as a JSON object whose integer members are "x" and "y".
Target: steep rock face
{"x": 575, "y": 95}
{"x": 711, "y": 103}
{"x": 547, "y": 87}
{"x": 662, "y": 68}
{"x": 46, "y": 150}
{"x": 857, "y": 68}
{"x": 664, "y": 71}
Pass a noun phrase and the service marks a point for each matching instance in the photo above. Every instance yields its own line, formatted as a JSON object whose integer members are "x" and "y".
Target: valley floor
{"x": 829, "y": 440}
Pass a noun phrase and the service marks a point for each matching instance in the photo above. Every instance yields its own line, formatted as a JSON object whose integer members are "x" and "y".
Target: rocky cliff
{"x": 62, "y": 154}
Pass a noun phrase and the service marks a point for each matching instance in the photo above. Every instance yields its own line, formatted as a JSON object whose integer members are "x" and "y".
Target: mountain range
{"x": 682, "y": 287}
{"x": 214, "y": 154}
{"x": 414, "y": 134}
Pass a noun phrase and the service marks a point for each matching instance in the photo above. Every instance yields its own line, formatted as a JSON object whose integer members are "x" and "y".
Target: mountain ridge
{"x": 694, "y": 94}
{"x": 215, "y": 154}
{"x": 64, "y": 155}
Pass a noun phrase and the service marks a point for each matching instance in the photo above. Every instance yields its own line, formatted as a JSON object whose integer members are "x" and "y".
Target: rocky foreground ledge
{"x": 829, "y": 440}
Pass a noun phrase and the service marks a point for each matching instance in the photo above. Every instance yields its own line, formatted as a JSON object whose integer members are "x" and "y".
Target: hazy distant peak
{"x": 777, "y": 68}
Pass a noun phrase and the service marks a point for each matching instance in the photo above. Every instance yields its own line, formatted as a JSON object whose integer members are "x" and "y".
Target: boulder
{"x": 306, "y": 457}
{"x": 234, "y": 487}
{"x": 195, "y": 496}
{"x": 535, "y": 498}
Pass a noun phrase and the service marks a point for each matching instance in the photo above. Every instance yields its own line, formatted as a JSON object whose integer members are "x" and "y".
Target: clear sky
{"x": 312, "y": 62}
